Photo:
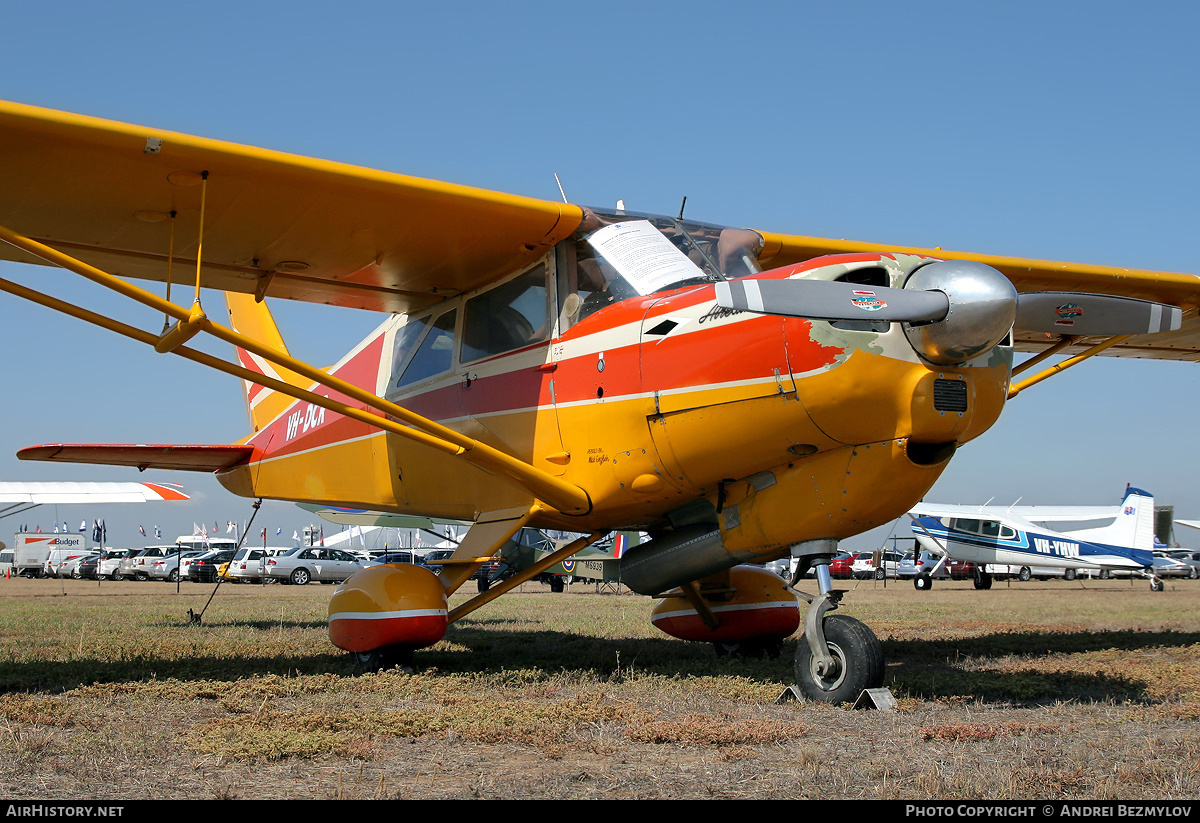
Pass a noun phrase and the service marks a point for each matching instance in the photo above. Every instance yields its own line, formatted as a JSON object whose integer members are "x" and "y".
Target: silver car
{"x": 313, "y": 563}
{"x": 167, "y": 568}
{"x": 246, "y": 565}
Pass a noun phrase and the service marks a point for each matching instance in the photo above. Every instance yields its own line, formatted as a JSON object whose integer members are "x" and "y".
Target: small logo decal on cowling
{"x": 867, "y": 301}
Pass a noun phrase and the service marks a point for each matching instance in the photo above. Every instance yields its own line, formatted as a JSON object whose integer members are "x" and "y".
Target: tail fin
{"x": 254, "y": 320}
{"x": 1133, "y": 526}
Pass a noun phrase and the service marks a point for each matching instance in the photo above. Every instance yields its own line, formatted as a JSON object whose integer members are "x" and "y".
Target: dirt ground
{"x": 1105, "y": 717}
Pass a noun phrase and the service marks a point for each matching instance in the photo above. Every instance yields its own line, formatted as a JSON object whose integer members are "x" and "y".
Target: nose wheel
{"x": 854, "y": 661}
{"x": 838, "y": 657}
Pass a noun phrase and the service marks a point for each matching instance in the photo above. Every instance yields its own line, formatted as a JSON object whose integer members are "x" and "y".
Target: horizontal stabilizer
{"x": 1094, "y": 314}
{"x": 154, "y": 456}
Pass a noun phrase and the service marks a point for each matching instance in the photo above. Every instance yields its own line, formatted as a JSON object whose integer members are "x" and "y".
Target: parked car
{"x": 105, "y": 564}
{"x": 62, "y": 562}
{"x": 138, "y": 567}
{"x": 1167, "y": 566}
{"x": 434, "y": 558}
{"x": 864, "y": 565}
{"x": 204, "y": 569}
{"x": 314, "y": 563}
{"x": 246, "y": 565}
{"x": 1189, "y": 558}
{"x": 70, "y": 567}
{"x": 914, "y": 563}
{"x": 167, "y": 568}
{"x": 840, "y": 566}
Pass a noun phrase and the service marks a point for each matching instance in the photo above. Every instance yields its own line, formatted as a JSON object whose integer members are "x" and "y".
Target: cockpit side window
{"x": 435, "y": 354}
{"x": 512, "y": 315}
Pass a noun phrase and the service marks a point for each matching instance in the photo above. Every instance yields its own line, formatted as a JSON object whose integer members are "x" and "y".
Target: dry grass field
{"x": 1084, "y": 690}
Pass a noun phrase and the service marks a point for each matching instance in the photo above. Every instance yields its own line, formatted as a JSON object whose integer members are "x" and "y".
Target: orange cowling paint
{"x": 389, "y": 605}
{"x": 759, "y": 606}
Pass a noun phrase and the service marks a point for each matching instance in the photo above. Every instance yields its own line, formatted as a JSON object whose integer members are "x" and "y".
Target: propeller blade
{"x": 831, "y": 300}
{"x": 1093, "y": 314}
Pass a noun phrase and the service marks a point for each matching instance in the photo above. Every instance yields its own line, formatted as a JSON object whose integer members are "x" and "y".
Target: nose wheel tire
{"x": 922, "y": 582}
{"x": 858, "y": 662}
{"x": 384, "y": 658}
{"x": 1156, "y": 584}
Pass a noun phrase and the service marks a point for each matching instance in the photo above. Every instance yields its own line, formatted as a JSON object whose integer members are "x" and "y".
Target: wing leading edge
{"x": 275, "y": 223}
{"x": 1029, "y": 275}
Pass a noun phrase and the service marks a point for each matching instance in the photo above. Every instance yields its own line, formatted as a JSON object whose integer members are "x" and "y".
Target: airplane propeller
{"x": 953, "y": 310}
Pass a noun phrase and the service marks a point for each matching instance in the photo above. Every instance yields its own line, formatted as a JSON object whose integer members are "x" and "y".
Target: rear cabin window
{"x": 512, "y": 315}
{"x": 435, "y": 353}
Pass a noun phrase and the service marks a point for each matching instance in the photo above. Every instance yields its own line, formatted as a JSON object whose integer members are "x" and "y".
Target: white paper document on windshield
{"x": 643, "y": 256}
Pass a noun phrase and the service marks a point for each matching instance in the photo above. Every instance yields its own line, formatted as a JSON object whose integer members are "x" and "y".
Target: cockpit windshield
{"x": 614, "y": 256}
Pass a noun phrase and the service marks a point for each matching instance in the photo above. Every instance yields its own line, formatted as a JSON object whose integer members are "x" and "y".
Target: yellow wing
{"x": 275, "y": 223}
{"x": 1177, "y": 289}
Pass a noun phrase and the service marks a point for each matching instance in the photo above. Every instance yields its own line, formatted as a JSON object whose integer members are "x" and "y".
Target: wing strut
{"x": 565, "y": 497}
{"x": 1066, "y": 364}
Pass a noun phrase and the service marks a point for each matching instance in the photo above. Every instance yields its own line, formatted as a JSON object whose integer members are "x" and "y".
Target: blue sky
{"x": 1065, "y": 131}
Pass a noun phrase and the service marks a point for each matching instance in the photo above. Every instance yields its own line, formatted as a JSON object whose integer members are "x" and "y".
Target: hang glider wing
{"x": 66, "y": 492}
{"x": 274, "y": 223}
{"x": 202, "y": 458}
{"x": 1030, "y": 276}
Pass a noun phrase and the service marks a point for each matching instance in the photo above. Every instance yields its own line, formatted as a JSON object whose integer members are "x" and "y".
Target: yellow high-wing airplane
{"x": 739, "y": 395}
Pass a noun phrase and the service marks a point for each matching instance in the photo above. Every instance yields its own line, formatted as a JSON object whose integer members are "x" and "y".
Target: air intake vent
{"x": 950, "y": 395}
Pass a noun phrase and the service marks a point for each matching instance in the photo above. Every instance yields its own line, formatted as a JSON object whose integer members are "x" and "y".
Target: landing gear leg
{"x": 838, "y": 657}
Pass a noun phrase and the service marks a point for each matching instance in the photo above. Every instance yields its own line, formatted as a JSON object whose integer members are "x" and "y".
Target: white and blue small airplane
{"x": 1102, "y": 538}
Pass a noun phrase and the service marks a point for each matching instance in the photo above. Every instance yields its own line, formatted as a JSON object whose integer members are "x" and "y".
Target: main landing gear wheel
{"x": 387, "y": 657}
{"x": 983, "y": 580}
{"x": 922, "y": 582}
{"x": 857, "y": 662}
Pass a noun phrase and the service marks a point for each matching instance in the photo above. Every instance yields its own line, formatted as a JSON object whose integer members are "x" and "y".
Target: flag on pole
{"x": 264, "y": 533}
{"x": 296, "y": 536}
{"x": 279, "y": 531}
{"x": 82, "y": 526}
{"x": 228, "y": 527}
{"x": 157, "y": 533}
{"x": 95, "y": 531}
{"x": 142, "y": 530}
{"x": 65, "y": 529}
{"x": 195, "y": 527}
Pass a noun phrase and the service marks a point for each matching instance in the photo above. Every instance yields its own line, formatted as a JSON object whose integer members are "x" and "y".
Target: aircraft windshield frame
{"x": 716, "y": 253}
{"x": 615, "y": 256}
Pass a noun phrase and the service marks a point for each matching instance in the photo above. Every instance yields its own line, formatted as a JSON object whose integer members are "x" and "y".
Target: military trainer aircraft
{"x": 739, "y": 395}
